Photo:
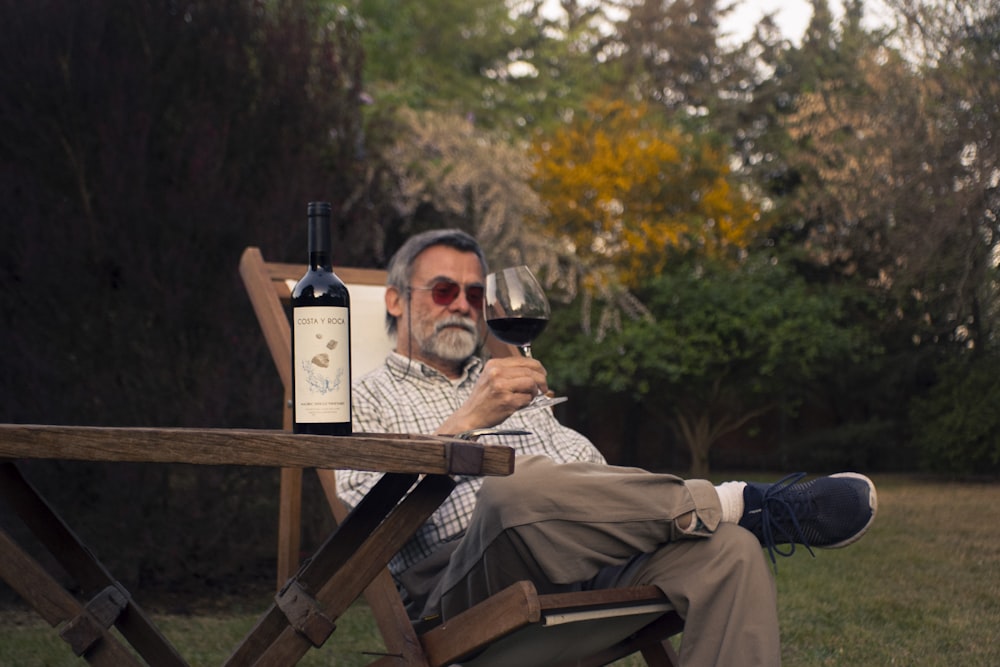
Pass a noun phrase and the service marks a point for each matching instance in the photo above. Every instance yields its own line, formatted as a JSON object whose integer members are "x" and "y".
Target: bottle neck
{"x": 319, "y": 242}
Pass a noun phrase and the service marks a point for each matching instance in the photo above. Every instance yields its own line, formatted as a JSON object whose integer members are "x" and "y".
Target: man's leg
{"x": 559, "y": 524}
{"x": 722, "y": 588}
{"x": 566, "y": 526}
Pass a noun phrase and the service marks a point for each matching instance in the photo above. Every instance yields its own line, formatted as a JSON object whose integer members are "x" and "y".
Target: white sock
{"x": 731, "y": 498}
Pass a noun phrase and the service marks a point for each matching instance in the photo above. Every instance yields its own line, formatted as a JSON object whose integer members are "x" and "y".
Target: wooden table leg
{"x": 342, "y": 568}
{"x": 87, "y": 635}
{"x": 84, "y": 567}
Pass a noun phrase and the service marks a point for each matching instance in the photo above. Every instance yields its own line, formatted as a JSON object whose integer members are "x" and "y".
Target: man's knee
{"x": 738, "y": 546}
{"x": 734, "y": 561}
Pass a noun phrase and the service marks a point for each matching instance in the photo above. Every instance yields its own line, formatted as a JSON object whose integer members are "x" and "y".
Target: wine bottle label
{"x": 322, "y": 364}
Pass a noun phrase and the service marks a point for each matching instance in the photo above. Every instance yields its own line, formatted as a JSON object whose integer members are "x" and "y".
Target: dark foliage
{"x": 143, "y": 146}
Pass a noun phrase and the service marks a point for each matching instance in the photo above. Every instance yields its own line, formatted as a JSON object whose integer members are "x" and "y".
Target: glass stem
{"x": 525, "y": 350}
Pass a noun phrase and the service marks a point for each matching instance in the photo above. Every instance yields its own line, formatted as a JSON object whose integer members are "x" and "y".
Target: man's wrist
{"x": 457, "y": 424}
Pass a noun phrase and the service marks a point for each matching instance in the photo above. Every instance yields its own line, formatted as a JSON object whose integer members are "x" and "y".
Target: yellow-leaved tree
{"x": 622, "y": 186}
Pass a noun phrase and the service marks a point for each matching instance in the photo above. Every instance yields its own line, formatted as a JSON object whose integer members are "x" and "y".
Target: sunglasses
{"x": 444, "y": 293}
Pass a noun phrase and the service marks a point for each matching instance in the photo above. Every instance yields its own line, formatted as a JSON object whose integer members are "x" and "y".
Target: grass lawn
{"x": 921, "y": 589}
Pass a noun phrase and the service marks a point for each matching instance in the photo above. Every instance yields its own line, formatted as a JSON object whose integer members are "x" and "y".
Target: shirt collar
{"x": 406, "y": 365}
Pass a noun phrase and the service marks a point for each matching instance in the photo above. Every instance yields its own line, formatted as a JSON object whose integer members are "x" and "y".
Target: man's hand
{"x": 505, "y": 385}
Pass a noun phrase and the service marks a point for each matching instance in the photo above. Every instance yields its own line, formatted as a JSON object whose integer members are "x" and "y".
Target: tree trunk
{"x": 699, "y": 458}
{"x": 696, "y": 432}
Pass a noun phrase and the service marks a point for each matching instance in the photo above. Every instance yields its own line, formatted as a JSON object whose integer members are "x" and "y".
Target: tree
{"x": 496, "y": 63}
{"x": 623, "y": 188}
{"x": 766, "y": 75}
{"x": 900, "y": 169}
{"x": 557, "y": 65}
{"x": 145, "y": 144}
{"x": 668, "y": 52}
{"x": 956, "y": 425}
{"x": 448, "y": 172}
{"x": 724, "y": 345}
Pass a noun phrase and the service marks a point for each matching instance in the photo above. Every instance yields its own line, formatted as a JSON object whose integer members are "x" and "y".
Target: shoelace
{"x": 770, "y": 519}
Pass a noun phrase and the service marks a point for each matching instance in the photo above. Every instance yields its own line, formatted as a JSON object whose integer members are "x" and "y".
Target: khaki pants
{"x": 582, "y": 526}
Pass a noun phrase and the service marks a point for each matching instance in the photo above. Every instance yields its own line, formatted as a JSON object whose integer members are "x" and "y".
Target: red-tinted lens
{"x": 444, "y": 293}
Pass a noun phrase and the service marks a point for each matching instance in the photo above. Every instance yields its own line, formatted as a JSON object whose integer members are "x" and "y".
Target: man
{"x": 565, "y": 519}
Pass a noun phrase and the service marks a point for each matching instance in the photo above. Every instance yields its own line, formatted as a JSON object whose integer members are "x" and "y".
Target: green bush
{"x": 957, "y": 423}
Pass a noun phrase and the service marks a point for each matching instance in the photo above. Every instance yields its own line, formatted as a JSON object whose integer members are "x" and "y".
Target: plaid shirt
{"x": 406, "y": 396}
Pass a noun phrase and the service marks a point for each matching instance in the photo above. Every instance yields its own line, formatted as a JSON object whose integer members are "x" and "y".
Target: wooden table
{"x": 305, "y": 610}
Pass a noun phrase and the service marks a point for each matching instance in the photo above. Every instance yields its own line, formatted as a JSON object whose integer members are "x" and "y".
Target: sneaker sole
{"x": 872, "y": 503}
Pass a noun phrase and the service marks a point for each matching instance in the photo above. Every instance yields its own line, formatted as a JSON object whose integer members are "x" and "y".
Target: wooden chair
{"x": 514, "y": 627}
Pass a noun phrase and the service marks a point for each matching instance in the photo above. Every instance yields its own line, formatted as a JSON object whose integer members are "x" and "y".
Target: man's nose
{"x": 461, "y": 304}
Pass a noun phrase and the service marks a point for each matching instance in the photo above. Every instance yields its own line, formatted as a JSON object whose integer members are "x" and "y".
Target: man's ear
{"x": 393, "y": 302}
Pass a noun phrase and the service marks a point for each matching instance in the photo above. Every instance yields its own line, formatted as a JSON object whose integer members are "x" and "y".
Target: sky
{"x": 792, "y": 17}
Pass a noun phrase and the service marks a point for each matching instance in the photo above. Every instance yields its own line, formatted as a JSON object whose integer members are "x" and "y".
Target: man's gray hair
{"x": 400, "y": 270}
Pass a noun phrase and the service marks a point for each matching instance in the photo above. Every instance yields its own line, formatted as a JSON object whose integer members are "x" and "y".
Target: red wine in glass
{"x": 517, "y": 311}
{"x": 517, "y": 330}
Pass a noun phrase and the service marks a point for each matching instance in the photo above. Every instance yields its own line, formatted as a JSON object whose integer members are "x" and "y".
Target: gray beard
{"x": 450, "y": 343}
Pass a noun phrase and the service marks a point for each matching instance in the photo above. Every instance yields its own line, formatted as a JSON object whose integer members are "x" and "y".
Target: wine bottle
{"x": 321, "y": 338}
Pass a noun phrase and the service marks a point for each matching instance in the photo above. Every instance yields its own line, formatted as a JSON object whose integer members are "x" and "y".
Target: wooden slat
{"x": 32, "y": 582}
{"x": 376, "y": 452}
{"x": 281, "y": 273}
{"x": 263, "y": 288}
{"x": 650, "y": 641}
{"x": 271, "y": 316}
{"x": 514, "y": 607}
{"x": 400, "y": 637}
{"x": 289, "y": 524}
{"x": 606, "y": 597}
{"x": 266, "y": 280}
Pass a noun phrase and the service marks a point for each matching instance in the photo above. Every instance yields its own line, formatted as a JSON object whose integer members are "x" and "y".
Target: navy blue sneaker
{"x": 828, "y": 512}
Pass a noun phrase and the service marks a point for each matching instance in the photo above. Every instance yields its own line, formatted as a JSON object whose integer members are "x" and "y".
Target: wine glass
{"x": 516, "y": 311}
